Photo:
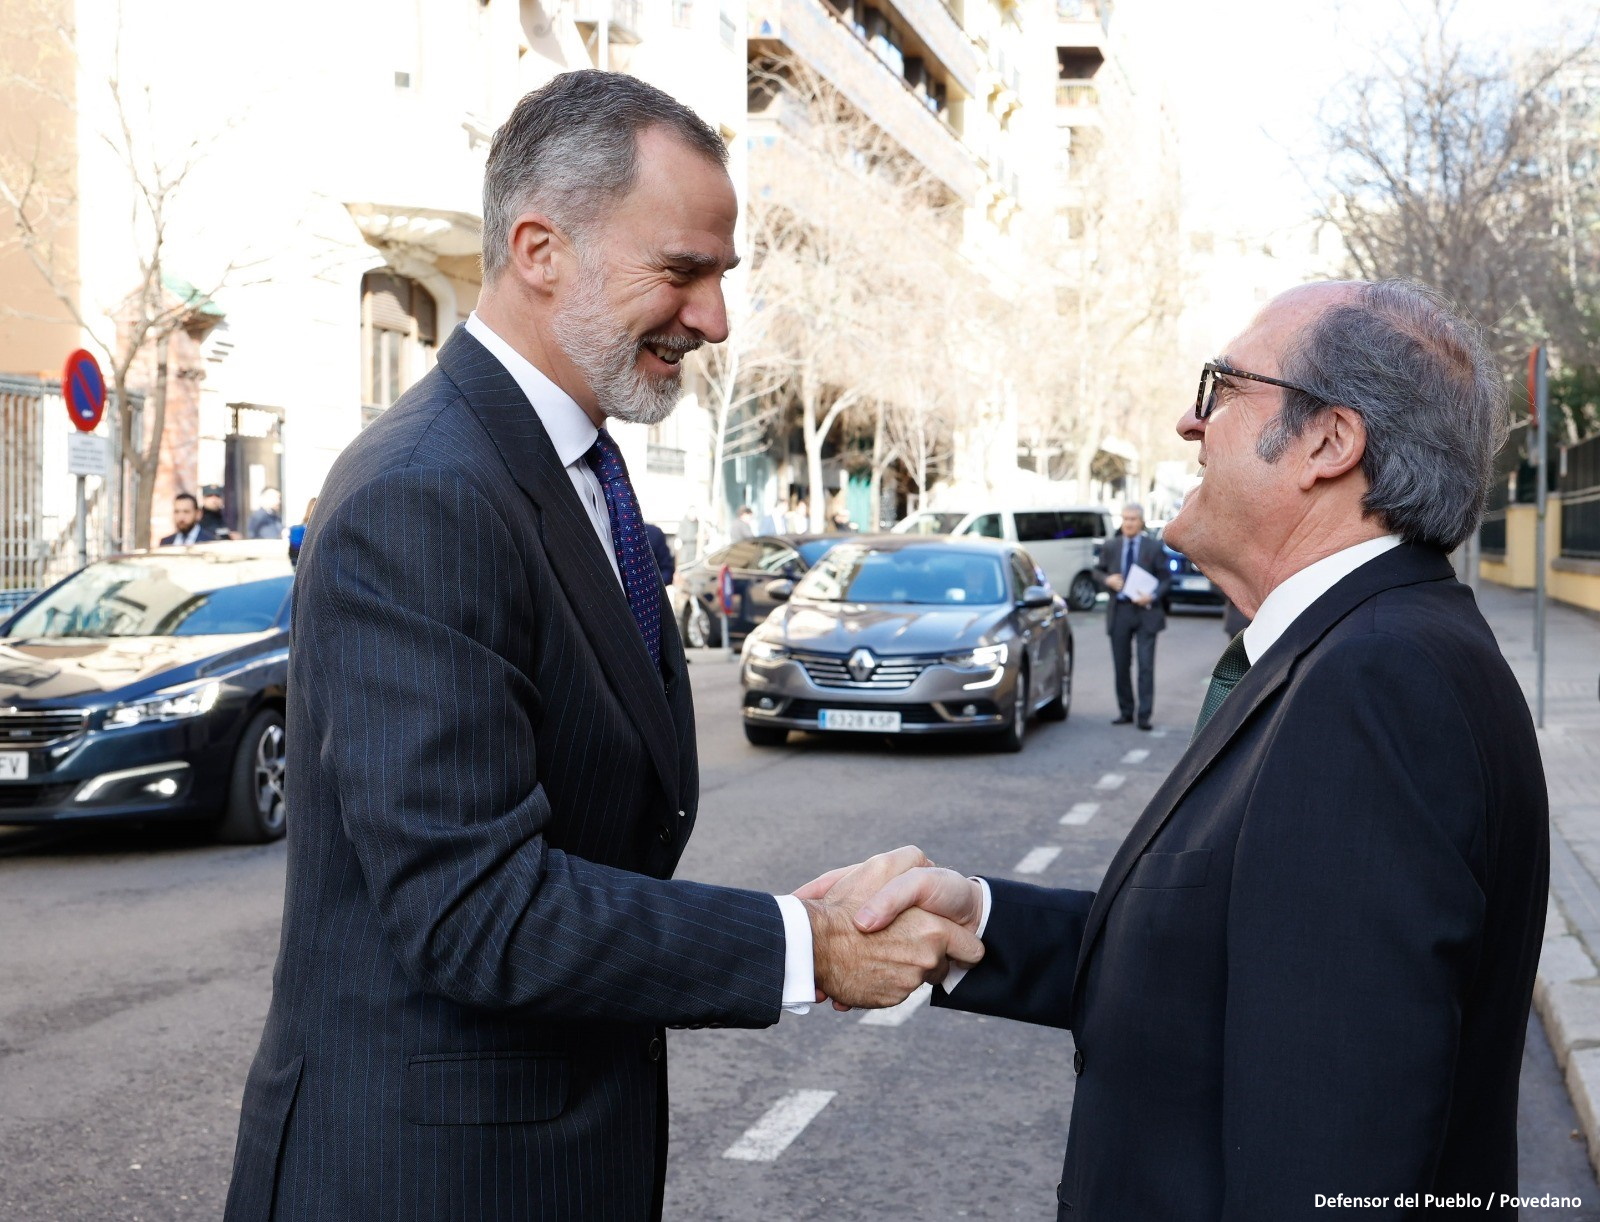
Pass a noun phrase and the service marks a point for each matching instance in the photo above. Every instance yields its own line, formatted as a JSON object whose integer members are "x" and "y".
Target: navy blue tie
{"x": 641, "y": 579}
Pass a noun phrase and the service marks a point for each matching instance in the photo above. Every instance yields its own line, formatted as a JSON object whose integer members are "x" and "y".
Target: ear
{"x": 539, "y": 251}
{"x": 1335, "y": 442}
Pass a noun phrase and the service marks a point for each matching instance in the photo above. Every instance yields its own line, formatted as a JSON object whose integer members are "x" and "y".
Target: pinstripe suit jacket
{"x": 491, "y": 785}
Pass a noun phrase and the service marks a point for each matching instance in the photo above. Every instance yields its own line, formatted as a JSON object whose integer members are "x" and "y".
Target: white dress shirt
{"x": 183, "y": 538}
{"x": 573, "y": 433}
{"x": 1278, "y": 610}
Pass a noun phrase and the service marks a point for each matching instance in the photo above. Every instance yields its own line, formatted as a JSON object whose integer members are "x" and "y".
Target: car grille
{"x": 25, "y": 797}
{"x": 891, "y": 675}
{"x": 29, "y": 728}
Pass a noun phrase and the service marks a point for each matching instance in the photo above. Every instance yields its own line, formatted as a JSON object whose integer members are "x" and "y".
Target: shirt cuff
{"x": 957, "y": 974}
{"x": 799, "y": 969}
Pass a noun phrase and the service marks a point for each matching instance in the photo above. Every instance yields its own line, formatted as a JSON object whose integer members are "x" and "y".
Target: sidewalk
{"x": 1567, "y": 992}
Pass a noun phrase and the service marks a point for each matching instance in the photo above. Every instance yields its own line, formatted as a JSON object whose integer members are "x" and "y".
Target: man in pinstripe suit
{"x": 491, "y": 743}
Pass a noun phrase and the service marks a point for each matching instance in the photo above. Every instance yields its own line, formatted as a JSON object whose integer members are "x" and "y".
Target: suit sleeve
{"x": 1354, "y": 926}
{"x": 411, "y": 605}
{"x": 1030, "y": 955}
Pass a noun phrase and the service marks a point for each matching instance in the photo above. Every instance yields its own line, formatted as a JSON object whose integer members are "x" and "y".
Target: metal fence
{"x": 38, "y": 499}
{"x": 1503, "y": 491}
{"x": 1580, "y": 501}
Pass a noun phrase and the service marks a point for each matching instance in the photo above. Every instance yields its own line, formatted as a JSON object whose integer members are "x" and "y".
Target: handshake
{"x": 883, "y": 928}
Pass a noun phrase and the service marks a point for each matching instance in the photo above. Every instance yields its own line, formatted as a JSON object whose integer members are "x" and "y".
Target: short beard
{"x": 594, "y": 340}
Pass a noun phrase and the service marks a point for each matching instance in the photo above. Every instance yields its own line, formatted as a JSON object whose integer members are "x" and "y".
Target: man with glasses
{"x": 1307, "y": 970}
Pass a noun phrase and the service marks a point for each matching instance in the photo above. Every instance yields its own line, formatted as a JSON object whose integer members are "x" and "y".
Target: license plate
{"x": 855, "y": 719}
{"x": 1194, "y": 583}
{"x": 13, "y": 765}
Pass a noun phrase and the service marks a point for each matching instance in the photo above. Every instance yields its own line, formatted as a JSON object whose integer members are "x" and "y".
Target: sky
{"x": 1247, "y": 79}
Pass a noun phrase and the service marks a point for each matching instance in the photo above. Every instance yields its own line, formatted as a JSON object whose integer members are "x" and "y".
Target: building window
{"x": 683, "y": 13}
{"x": 399, "y": 332}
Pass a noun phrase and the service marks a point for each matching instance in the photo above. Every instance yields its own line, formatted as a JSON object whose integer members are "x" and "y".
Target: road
{"x": 138, "y": 966}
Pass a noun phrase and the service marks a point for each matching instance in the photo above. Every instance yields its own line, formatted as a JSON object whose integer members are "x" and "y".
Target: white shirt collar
{"x": 1296, "y": 593}
{"x": 571, "y": 431}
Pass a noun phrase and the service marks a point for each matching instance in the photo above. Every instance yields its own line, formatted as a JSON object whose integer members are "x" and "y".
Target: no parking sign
{"x": 84, "y": 390}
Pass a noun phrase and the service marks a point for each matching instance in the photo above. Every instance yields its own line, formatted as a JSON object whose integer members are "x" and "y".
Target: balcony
{"x": 1083, "y": 23}
{"x": 809, "y": 32}
{"x": 932, "y": 23}
{"x": 1077, "y": 103}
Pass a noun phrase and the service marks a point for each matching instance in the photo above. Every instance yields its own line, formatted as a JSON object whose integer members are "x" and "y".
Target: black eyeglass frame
{"x": 1205, "y": 404}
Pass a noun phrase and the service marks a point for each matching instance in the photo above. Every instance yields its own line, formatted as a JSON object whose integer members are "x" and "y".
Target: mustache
{"x": 674, "y": 343}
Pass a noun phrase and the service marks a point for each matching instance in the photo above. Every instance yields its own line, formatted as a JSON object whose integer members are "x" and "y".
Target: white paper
{"x": 1141, "y": 583}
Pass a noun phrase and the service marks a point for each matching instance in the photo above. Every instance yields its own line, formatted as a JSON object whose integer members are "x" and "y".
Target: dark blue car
{"x": 150, "y": 686}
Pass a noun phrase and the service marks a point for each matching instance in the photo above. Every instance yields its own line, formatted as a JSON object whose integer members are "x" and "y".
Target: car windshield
{"x": 188, "y": 594}
{"x": 929, "y": 524}
{"x": 813, "y": 550}
{"x": 930, "y": 575}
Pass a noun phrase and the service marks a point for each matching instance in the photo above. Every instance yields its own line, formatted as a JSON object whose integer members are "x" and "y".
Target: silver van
{"x": 1064, "y": 542}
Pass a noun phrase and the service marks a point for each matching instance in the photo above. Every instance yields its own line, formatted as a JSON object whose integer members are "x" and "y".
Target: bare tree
{"x": 1472, "y": 172}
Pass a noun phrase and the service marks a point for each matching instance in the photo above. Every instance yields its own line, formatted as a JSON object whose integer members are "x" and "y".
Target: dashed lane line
{"x": 1037, "y": 859}
{"x": 1137, "y": 756}
{"x": 785, "y": 1120}
{"x": 1111, "y": 780}
{"x": 894, "y": 1016}
{"x": 1080, "y": 814}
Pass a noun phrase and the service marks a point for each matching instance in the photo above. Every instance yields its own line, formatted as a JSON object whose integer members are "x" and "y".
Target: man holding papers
{"x": 1133, "y": 571}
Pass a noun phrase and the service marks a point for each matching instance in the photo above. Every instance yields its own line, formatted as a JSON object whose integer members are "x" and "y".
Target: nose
{"x": 1190, "y": 426}
{"x": 706, "y": 312}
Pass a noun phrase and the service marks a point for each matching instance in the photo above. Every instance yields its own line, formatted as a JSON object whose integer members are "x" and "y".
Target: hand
{"x": 1114, "y": 583}
{"x": 1144, "y": 600}
{"x": 942, "y": 892}
{"x": 906, "y": 949}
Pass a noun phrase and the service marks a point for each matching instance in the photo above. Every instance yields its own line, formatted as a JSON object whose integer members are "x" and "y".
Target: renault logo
{"x": 861, "y": 665}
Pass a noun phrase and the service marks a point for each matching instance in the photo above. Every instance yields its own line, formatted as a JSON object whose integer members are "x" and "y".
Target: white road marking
{"x": 1137, "y": 756}
{"x": 1158, "y": 733}
{"x": 785, "y": 1120}
{"x": 895, "y": 1015}
{"x": 1037, "y": 859}
{"x": 1080, "y": 814}
{"x": 1111, "y": 780}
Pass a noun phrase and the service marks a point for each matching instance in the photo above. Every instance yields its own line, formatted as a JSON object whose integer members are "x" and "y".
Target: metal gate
{"x": 38, "y": 499}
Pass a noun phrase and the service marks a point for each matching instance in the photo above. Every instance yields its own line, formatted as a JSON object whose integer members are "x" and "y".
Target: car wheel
{"x": 1058, "y": 708}
{"x": 765, "y": 736}
{"x": 698, "y": 628}
{"x": 256, "y": 813}
{"x": 1081, "y": 594}
{"x": 1010, "y": 738}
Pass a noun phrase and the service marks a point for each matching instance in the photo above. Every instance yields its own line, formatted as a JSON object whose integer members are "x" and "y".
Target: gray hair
{"x": 1136, "y": 507}
{"x": 571, "y": 147}
{"x": 1428, "y": 392}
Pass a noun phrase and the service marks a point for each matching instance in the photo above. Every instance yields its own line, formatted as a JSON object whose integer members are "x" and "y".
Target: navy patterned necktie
{"x": 640, "y": 577}
{"x": 1231, "y": 667}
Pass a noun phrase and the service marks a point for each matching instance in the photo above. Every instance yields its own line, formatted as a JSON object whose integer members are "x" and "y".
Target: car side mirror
{"x": 1038, "y": 596}
{"x": 779, "y": 591}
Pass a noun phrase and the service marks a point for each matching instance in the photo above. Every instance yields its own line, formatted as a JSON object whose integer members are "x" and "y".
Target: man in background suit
{"x": 186, "y": 524}
{"x": 1130, "y": 618}
{"x": 491, "y": 755}
{"x": 1308, "y": 968}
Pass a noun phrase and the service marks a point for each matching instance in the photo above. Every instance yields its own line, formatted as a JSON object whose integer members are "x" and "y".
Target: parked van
{"x": 1064, "y": 542}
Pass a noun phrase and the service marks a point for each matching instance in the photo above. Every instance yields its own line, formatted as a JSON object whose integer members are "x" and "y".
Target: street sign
{"x": 725, "y": 593}
{"x": 84, "y": 390}
{"x": 87, "y": 455}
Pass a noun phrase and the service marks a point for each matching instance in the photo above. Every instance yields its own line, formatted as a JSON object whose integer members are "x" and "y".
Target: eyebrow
{"x": 695, "y": 259}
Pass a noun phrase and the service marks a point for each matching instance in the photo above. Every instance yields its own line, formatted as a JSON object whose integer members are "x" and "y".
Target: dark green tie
{"x": 1231, "y": 667}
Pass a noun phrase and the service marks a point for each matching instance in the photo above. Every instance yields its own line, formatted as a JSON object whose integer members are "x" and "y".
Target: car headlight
{"x": 765, "y": 651}
{"x": 984, "y": 656}
{"x": 173, "y": 704}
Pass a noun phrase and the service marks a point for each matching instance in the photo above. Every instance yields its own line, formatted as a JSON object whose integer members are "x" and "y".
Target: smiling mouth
{"x": 670, "y": 350}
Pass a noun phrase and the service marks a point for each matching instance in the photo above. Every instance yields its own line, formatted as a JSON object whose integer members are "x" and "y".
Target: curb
{"x": 1566, "y": 995}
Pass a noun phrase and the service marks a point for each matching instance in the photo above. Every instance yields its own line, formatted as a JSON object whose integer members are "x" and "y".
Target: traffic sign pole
{"x": 1540, "y": 369}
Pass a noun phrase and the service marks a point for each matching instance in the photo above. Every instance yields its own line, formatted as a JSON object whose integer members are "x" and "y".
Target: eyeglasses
{"x": 1205, "y": 399}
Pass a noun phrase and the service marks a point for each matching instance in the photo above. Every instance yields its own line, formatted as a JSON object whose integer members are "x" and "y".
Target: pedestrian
{"x": 1308, "y": 968}
{"x": 213, "y": 512}
{"x": 662, "y": 551}
{"x": 267, "y": 521}
{"x": 744, "y": 525}
{"x": 799, "y": 520}
{"x": 1133, "y": 569}
{"x": 689, "y": 536}
{"x": 297, "y": 533}
{"x": 187, "y": 527}
{"x": 841, "y": 523}
{"x": 491, "y": 757}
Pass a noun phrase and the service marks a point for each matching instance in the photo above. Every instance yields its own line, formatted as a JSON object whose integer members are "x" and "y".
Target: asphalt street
{"x": 138, "y": 968}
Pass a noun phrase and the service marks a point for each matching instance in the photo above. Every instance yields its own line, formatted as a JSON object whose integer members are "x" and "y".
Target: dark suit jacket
{"x": 1309, "y": 965}
{"x": 204, "y": 536}
{"x": 1149, "y": 557}
{"x": 491, "y": 785}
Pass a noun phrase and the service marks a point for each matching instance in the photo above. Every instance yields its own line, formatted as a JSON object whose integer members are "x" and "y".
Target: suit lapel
{"x": 1401, "y": 566}
{"x": 575, "y": 553}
